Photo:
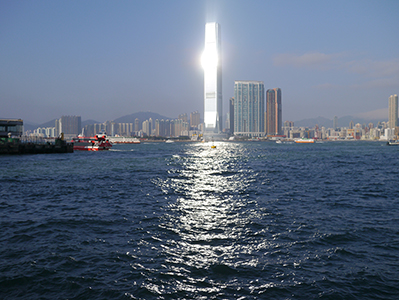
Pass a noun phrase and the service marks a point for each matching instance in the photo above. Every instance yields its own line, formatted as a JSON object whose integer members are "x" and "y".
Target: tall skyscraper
{"x": 137, "y": 125}
{"x": 249, "y": 108}
{"x": 231, "y": 110}
{"x": 211, "y": 62}
{"x": 274, "y": 117}
{"x": 393, "y": 111}
{"x": 335, "y": 122}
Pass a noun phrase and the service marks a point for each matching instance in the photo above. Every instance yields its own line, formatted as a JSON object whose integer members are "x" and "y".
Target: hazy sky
{"x": 106, "y": 59}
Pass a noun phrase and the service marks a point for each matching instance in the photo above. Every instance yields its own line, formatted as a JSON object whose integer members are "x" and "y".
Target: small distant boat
{"x": 124, "y": 140}
{"x": 304, "y": 141}
{"x": 284, "y": 142}
{"x": 393, "y": 143}
{"x": 96, "y": 143}
{"x": 169, "y": 141}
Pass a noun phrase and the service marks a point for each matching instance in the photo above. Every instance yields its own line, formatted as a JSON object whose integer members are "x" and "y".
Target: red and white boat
{"x": 97, "y": 143}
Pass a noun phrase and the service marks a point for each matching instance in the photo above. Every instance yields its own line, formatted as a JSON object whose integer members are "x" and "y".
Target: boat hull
{"x": 124, "y": 140}
{"x": 90, "y": 148}
{"x": 310, "y": 141}
{"x": 91, "y": 143}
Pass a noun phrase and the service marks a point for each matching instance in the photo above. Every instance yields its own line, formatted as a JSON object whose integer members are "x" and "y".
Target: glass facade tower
{"x": 211, "y": 62}
{"x": 249, "y": 108}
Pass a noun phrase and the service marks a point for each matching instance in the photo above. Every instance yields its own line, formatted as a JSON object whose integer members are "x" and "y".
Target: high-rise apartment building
{"x": 393, "y": 111}
{"x": 183, "y": 117}
{"x": 249, "y": 108}
{"x": 146, "y": 127}
{"x": 274, "y": 117}
{"x": 137, "y": 125}
{"x": 231, "y": 110}
{"x": 195, "y": 119}
{"x": 335, "y": 122}
{"x": 211, "y": 62}
{"x": 69, "y": 125}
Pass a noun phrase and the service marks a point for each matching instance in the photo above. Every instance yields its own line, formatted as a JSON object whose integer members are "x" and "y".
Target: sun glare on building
{"x": 211, "y": 62}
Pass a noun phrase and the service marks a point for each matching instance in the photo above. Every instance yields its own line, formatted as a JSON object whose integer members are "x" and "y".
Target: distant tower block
{"x": 393, "y": 111}
{"x": 249, "y": 108}
{"x": 274, "y": 118}
{"x": 211, "y": 62}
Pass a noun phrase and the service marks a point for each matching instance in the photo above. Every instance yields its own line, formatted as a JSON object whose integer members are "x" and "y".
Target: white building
{"x": 211, "y": 62}
{"x": 47, "y": 132}
{"x": 389, "y": 134}
{"x": 249, "y": 108}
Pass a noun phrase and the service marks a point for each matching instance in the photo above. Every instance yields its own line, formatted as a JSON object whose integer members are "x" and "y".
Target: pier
{"x": 18, "y": 146}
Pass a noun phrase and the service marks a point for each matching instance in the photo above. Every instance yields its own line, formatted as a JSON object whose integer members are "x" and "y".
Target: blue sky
{"x": 106, "y": 59}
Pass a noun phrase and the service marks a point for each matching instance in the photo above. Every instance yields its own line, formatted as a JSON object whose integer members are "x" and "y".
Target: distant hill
{"x": 142, "y": 116}
{"x": 342, "y": 122}
{"x": 321, "y": 121}
{"x": 89, "y": 122}
{"x": 28, "y": 126}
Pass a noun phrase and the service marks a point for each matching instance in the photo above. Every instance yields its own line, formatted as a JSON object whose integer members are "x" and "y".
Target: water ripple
{"x": 185, "y": 221}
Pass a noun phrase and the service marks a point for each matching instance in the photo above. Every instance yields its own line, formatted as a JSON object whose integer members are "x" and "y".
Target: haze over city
{"x": 103, "y": 59}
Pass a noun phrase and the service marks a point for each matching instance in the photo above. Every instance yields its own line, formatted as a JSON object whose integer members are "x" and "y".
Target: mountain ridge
{"x": 142, "y": 116}
{"x": 341, "y": 122}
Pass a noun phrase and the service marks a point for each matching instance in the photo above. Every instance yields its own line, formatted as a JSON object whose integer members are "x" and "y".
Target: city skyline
{"x": 96, "y": 59}
{"x": 247, "y": 115}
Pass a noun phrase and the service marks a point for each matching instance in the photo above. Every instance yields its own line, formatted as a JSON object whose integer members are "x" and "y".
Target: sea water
{"x": 250, "y": 220}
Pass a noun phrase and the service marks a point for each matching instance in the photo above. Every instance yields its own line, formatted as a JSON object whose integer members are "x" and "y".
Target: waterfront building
{"x": 47, "y": 132}
{"x": 124, "y": 129}
{"x": 183, "y": 117}
{"x": 180, "y": 128}
{"x": 11, "y": 127}
{"x": 162, "y": 127}
{"x": 157, "y": 127}
{"x": 288, "y": 124}
{"x": 151, "y": 126}
{"x": 231, "y": 110}
{"x": 137, "y": 125}
{"x": 249, "y": 108}
{"x": 273, "y": 112}
{"x": 375, "y": 133}
{"x": 146, "y": 128}
{"x": 71, "y": 126}
{"x": 393, "y": 111}
{"x": 389, "y": 134}
{"x": 211, "y": 62}
{"x": 335, "y": 123}
{"x": 195, "y": 119}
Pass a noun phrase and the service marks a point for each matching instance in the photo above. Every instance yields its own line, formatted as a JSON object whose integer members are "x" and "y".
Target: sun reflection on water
{"x": 209, "y": 184}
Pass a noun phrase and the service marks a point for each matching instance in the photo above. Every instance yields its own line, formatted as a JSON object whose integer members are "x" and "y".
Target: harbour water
{"x": 251, "y": 220}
